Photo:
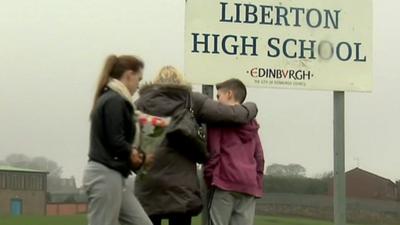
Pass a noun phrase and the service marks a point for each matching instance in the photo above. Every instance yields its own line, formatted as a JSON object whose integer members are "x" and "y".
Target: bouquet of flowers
{"x": 152, "y": 134}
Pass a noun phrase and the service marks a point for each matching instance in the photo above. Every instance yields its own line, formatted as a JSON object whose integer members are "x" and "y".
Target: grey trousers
{"x": 230, "y": 208}
{"x": 111, "y": 201}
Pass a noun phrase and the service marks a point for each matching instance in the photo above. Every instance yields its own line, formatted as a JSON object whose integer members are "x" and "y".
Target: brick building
{"x": 66, "y": 204}
{"x": 22, "y": 191}
{"x": 364, "y": 184}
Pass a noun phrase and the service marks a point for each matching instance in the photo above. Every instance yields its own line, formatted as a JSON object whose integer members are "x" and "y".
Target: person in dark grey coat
{"x": 170, "y": 189}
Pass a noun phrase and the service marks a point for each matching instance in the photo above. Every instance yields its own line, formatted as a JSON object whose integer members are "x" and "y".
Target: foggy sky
{"x": 51, "y": 53}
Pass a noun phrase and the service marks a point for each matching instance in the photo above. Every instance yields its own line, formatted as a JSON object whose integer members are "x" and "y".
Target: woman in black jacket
{"x": 170, "y": 188}
{"x": 112, "y": 154}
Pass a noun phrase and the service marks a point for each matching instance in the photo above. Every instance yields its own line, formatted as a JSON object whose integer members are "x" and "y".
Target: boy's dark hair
{"x": 236, "y": 86}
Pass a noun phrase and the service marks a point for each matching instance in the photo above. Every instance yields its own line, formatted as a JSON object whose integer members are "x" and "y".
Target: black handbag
{"x": 186, "y": 135}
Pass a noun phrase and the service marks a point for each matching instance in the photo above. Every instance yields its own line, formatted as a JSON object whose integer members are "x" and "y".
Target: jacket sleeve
{"x": 114, "y": 132}
{"x": 214, "y": 148}
{"x": 213, "y": 112}
{"x": 259, "y": 156}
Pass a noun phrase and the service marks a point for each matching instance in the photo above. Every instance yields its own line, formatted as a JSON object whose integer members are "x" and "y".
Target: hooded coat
{"x": 236, "y": 161}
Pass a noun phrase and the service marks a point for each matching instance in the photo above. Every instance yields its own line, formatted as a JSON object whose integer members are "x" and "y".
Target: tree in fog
{"x": 36, "y": 163}
{"x": 325, "y": 175}
{"x": 291, "y": 170}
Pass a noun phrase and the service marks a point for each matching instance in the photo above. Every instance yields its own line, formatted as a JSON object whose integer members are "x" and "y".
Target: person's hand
{"x": 150, "y": 158}
{"x": 136, "y": 159}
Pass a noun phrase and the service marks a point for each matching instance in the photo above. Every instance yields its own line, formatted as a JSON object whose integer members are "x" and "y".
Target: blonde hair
{"x": 169, "y": 75}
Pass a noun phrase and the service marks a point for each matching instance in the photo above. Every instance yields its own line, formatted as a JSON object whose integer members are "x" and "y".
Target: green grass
{"x": 81, "y": 220}
{"x": 44, "y": 220}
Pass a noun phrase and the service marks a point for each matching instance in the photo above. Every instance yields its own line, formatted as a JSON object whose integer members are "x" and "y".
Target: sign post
{"x": 339, "y": 158}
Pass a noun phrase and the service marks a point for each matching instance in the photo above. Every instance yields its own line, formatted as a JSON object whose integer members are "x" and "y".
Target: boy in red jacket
{"x": 235, "y": 169}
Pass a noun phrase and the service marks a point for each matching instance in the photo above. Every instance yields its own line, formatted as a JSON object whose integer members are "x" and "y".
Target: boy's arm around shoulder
{"x": 209, "y": 111}
{"x": 214, "y": 149}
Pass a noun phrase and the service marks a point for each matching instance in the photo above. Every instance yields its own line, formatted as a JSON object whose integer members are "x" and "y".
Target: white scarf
{"x": 122, "y": 90}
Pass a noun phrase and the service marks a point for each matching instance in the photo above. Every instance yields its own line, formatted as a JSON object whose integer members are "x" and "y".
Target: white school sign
{"x": 307, "y": 44}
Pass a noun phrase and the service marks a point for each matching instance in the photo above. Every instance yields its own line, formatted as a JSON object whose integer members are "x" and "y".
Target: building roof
{"x": 367, "y": 172}
{"x": 16, "y": 169}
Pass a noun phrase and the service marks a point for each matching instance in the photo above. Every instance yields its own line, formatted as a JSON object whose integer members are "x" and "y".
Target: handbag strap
{"x": 189, "y": 102}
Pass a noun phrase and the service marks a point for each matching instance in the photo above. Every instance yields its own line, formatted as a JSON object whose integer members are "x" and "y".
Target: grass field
{"x": 81, "y": 220}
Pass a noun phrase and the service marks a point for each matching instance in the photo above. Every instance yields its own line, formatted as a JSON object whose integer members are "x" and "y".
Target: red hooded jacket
{"x": 236, "y": 160}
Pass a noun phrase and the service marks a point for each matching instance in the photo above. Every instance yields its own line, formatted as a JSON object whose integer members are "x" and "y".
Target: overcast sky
{"x": 51, "y": 53}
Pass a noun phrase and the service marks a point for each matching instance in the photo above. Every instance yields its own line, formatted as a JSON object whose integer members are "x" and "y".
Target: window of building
{"x": 35, "y": 182}
{"x": 14, "y": 180}
{"x": 41, "y": 182}
{"x": 3, "y": 183}
{"x": 8, "y": 180}
{"x": 29, "y": 182}
{"x": 19, "y": 181}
